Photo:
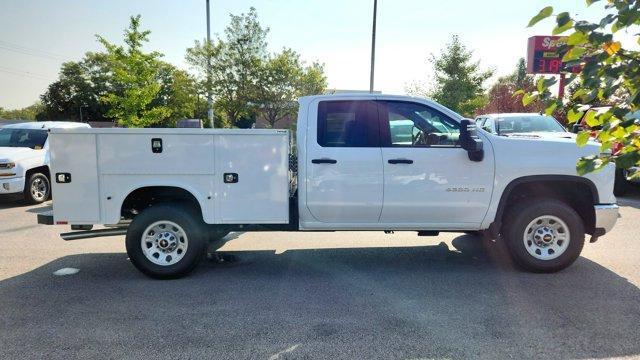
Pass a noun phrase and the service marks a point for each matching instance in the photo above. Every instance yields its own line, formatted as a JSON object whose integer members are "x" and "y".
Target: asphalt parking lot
{"x": 317, "y": 295}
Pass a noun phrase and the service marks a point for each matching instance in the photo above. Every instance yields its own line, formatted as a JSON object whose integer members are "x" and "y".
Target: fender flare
{"x": 147, "y": 184}
{"x": 495, "y": 226}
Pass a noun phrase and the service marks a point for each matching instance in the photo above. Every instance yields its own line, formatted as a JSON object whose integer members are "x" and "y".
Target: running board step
{"x": 77, "y": 235}
{"x": 428, "y": 233}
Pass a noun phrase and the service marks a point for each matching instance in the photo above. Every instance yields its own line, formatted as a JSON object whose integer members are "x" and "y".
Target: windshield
{"x": 30, "y": 138}
{"x": 525, "y": 124}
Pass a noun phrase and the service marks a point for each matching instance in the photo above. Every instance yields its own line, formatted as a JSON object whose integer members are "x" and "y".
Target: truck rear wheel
{"x": 165, "y": 241}
{"x": 543, "y": 235}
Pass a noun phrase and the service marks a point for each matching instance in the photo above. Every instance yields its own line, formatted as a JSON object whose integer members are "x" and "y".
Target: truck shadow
{"x": 431, "y": 301}
{"x": 11, "y": 201}
{"x": 631, "y": 198}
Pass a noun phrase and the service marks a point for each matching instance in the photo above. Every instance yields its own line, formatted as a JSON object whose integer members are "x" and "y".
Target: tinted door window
{"x": 416, "y": 125}
{"x": 348, "y": 124}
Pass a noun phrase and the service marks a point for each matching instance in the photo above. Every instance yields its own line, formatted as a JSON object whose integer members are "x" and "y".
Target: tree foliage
{"x": 84, "y": 83}
{"x": 458, "y": 79}
{"x": 503, "y": 96}
{"x": 134, "y": 75}
{"x": 609, "y": 73}
{"x": 27, "y": 113}
{"x": 80, "y": 85}
{"x": 229, "y": 67}
{"x": 178, "y": 93}
{"x": 246, "y": 80}
{"x": 282, "y": 79}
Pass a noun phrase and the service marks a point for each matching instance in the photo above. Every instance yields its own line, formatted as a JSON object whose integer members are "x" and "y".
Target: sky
{"x": 37, "y": 36}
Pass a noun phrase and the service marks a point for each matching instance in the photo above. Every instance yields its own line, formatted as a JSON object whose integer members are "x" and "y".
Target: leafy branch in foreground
{"x": 609, "y": 77}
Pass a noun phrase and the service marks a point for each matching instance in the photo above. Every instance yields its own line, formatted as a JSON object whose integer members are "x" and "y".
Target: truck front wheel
{"x": 166, "y": 241}
{"x": 543, "y": 235}
{"x": 37, "y": 188}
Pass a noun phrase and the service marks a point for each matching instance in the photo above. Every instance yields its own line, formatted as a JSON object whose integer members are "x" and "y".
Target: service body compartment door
{"x": 177, "y": 154}
{"x": 252, "y": 178}
{"x": 74, "y": 178}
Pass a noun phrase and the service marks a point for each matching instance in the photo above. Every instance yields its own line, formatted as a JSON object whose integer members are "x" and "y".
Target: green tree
{"x": 178, "y": 92}
{"x": 458, "y": 80}
{"x": 503, "y": 96}
{"x": 281, "y": 80}
{"x": 26, "y": 113}
{"x": 80, "y": 85}
{"x": 609, "y": 74}
{"x": 313, "y": 80}
{"x": 232, "y": 65}
{"x": 135, "y": 75}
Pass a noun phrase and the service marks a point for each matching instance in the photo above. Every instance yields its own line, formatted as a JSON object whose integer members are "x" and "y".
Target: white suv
{"x": 24, "y": 158}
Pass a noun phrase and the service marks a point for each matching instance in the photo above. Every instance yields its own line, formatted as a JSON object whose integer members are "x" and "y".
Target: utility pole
{"x": 209, "y": 99}
{"x": 81, "y": 106}
{"x": 373, "y": 44}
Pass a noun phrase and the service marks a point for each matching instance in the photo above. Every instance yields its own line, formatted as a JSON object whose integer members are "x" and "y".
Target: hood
{"x": 542, "y": 135}
{"x": 15, "y": 153}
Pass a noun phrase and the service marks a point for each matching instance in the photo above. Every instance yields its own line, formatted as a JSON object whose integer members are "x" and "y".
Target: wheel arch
{"x": 44, "y": 169}
{"x": 142, "y": 196}
{"x": 560, "y": 187}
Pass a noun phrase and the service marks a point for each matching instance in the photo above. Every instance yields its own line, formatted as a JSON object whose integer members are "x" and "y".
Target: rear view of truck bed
{"x": 236, "y": 176}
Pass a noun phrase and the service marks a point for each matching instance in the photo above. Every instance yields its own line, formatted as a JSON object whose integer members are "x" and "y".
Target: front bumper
{"x": 12, "y": 185}
{"x": 606, "y": 217}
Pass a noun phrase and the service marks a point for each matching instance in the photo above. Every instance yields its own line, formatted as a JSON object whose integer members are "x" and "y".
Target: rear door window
{"x": 352, "y": 123}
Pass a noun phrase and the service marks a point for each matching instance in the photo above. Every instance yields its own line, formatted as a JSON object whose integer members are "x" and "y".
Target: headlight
{"x": 7, "y": 165}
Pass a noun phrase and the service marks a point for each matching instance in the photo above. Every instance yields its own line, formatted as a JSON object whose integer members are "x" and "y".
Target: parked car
{"x": 515, "y": 124}
{"x": 364, "y": 162}
{"x": 623, "y": 179}
{"x": 24, "y": 158}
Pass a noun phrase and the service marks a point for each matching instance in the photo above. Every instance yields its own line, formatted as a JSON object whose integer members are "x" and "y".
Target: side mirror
{"x": 576, "y": 128}
{"x": 470, "y": 141}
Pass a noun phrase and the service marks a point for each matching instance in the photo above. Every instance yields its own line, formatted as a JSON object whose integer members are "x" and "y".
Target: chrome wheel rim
{"x": 546, "y": 237}
{"x": 39, "y": 189}
{"x": 164, "y": 243}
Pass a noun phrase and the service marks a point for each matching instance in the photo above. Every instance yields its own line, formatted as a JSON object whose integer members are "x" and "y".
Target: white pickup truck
{"x": 364, "y": 162}
{"x": 24, "y": 159}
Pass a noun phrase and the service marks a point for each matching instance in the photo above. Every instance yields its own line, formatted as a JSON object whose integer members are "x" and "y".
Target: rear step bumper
{"x": 45, "y": 218}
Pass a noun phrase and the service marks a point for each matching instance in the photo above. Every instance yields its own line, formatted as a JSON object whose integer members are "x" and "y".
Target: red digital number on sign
{"x": 548, "y": 66}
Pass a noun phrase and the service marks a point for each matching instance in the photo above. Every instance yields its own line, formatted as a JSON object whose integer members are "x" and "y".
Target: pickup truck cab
{"x": 24, "y": 158}
{"x": 361, "y": 162}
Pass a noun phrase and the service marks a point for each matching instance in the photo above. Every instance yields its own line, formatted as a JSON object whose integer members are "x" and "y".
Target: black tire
{"x": 620, "y": 185}
{"x": 517, "y": 219}
{"x": 478, "y": 233}
{"x": 191, "y": 223}
{"x": 215, "y": 234}
{"x": 37, "y": 188}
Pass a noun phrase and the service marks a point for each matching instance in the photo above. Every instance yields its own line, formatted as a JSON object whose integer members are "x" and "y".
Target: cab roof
{"x": 45, "y": 125}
